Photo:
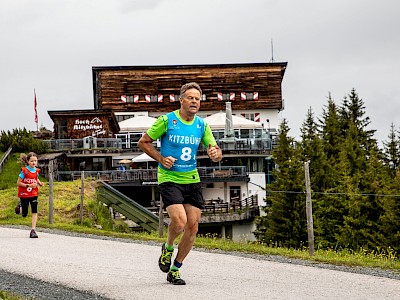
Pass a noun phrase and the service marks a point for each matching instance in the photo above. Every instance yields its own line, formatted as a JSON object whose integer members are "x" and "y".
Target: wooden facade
{"x": 152, "y": 88}
{"x": 77, "y": 124}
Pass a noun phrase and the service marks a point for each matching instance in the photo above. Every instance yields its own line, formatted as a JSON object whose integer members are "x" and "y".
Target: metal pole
{"x": 310, "y": 224}
{"x": 51, "y": 192}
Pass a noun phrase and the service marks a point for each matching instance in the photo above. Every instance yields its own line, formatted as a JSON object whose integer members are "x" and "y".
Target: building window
{"x": 134, "y": 139}
{"x": 249, "y": 96}
{"x": 62, "y": 129}
{"x": 173, "y": 97}
{"x": 99, "y": 163}
{"x": 225, "y": 96}
{"x": 203, "y": 97}
{"x": 244, "y": 133}
{"x": 129, "y": 99}
{"x": 123, "y": 117}
{"x": 234, "y": 193}
{"x": 124, "y": 140}
{"x": 249, "y": 116}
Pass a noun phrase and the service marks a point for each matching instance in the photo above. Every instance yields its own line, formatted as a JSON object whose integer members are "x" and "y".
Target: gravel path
{"x": 61, "y": 265}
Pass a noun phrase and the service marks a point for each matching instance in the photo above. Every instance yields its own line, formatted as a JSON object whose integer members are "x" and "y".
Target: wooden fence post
{"x": 82, "y": 196}
{"x": 310, "y": 223}
{"x": 51, "y": 192}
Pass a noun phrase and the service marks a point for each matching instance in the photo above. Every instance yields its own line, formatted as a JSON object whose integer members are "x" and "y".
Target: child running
{"x": 28, "y": 182}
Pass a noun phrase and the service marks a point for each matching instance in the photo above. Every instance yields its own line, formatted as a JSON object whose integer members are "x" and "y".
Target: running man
{"x": 180, "y": 132}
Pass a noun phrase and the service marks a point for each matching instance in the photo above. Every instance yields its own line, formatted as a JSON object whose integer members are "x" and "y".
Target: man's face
{"x": 191, "y": 101}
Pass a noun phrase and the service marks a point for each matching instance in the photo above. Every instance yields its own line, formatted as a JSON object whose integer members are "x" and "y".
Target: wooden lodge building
{"x": 97, "y": 140}
{"x": 124, "y": 92}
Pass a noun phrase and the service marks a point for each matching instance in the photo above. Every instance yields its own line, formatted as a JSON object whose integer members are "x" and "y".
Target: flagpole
{"x": 35, "y": 108}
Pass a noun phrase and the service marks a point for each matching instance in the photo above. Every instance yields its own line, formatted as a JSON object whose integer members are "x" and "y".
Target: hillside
{"x": 66, "y": 201}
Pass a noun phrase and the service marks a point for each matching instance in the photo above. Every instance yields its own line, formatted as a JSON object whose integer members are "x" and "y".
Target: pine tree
{"x": 331, "y": 131}
{"x": 358, "y": 159}
{"x": 285, "y": 211}
{"x": 328, "y": 209}
{"x": 389, "y": 221}
{"x": 352, "y": 112}
{"x": 391, "y": 150}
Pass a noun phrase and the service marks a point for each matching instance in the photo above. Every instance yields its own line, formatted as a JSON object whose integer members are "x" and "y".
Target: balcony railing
{"x": 251, "y": 144}
{"x": 85, "y": 143}
{"x": 139, "y": 175}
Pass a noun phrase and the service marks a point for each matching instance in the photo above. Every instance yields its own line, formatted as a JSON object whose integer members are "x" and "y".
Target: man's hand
{"x": 214, "y": 153}
{"x": 168, "y": 162}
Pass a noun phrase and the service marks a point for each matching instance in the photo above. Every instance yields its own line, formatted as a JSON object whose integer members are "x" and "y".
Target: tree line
{"x": 355, "y": 184}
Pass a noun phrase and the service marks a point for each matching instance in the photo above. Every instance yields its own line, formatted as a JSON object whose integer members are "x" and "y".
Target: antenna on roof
{"x": 272, "y": 51}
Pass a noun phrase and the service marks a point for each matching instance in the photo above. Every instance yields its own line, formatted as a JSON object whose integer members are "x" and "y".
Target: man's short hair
{"x": 188, "y": 86}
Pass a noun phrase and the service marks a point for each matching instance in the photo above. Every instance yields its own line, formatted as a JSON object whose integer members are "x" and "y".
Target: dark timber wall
{"x": 265, "y": 79}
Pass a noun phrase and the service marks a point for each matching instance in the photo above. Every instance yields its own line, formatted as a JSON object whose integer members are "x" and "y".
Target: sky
{"x": 331, "y": 47}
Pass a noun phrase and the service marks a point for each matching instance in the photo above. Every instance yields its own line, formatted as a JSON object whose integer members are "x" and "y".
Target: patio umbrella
{"x": 143, "y": 158}
{"x": 124, "y": 161}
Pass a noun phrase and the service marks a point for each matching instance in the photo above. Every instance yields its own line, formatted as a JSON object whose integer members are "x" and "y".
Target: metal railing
{"x": 148, "y": 174}
{"x": 4, "y": 159}
{"x": 85, "y": 143}
{"x": 253, "y": 144}
{"x": 223, "y": 171}
{"x": 244, "y": 203}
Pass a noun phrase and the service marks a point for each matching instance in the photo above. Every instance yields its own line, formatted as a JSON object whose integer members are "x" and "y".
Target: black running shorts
{"x": 174, "y": 193}
{"x": 33, "y": 201}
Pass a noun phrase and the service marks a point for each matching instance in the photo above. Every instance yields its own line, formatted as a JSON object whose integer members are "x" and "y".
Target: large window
{"x": 218, "y": 134}
{"x": 249, "y": 116}
{"x": 124, "y": 139}
{"x": 99, "y": 163}
{"x": 124, "y": 117}
{"x": 134, "y": 139}
{"x": 234, "y": 193}
{"x": 245, "y": 133}
{"x": 258, "y": 133}
{"x": 62, "y": 129}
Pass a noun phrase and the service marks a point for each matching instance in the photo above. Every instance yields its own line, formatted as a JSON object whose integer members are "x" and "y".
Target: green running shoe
{"x": 174, "y": 277}
{"x": 164, "y": 262}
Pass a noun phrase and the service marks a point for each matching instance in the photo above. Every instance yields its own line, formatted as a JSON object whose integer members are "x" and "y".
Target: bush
{"x": 21, "y": 140}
